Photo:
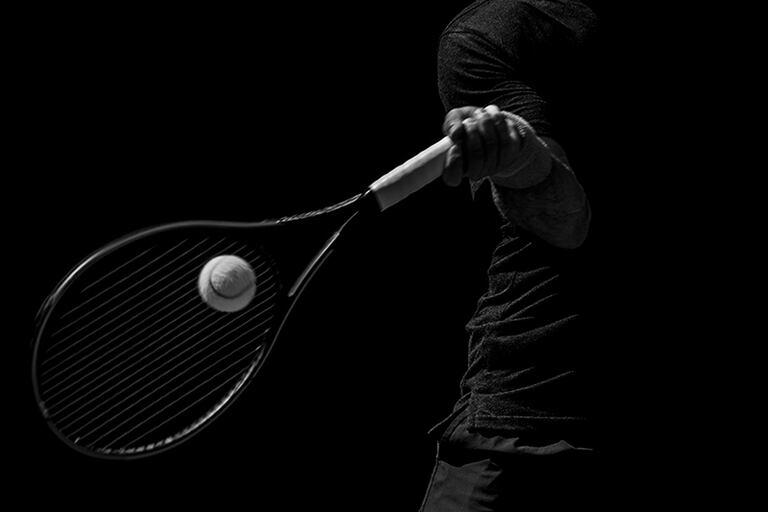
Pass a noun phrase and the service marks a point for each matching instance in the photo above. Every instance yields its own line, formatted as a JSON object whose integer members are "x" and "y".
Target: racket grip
{"x": 412, "y": 175}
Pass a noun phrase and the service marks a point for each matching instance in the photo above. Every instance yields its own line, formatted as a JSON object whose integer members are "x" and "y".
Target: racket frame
{"x": 361, "y": 206}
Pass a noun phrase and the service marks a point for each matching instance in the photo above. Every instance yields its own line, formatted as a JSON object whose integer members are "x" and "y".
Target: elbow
{"x": 566, "y": 240}
{"x": 571, "y": 233}
{"x": 570, "y": 241}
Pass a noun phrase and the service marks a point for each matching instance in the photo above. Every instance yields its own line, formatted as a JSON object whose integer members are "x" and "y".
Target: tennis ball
{"x": 227, "y": 283}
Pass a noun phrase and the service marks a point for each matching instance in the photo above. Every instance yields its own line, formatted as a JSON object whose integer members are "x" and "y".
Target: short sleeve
{"x": 473, "y": 71}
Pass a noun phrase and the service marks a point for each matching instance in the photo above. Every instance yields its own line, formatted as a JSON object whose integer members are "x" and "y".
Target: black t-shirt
{"x": 533, "y": 336}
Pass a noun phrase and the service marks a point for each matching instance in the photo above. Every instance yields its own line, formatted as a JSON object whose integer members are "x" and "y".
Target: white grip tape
{"x": 412, "y": 175}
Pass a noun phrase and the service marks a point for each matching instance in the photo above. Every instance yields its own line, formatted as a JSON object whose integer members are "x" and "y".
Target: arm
{"x": 555, "y": 209}
{"x": 534, "y": 186}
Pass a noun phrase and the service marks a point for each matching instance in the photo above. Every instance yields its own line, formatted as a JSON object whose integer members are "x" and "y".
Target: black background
{"x": 135, "y": 116}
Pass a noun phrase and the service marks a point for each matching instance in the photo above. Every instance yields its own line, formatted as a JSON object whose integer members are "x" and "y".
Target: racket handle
{"x": 412, "y": 175}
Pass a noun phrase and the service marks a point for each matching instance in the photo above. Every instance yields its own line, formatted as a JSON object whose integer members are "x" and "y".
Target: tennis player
{"x": 513, "y": 76}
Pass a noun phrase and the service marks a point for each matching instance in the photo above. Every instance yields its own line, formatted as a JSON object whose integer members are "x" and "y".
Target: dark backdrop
{"x": 138, "y": 116}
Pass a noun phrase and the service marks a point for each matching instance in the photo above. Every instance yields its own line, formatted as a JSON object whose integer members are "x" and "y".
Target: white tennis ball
{"x": 227, "y": 283}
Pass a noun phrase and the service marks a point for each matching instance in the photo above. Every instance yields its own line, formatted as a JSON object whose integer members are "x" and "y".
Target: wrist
{"x": 532, "y": 163}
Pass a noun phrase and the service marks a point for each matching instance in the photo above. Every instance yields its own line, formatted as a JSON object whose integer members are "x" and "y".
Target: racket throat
{"x": 310, "y": 270}
{"x": 306, "y": 276}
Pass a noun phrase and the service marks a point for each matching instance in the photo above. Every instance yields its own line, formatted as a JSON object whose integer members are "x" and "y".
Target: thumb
{"x": 453, "y": 126}
{"x": 454, "y": 167}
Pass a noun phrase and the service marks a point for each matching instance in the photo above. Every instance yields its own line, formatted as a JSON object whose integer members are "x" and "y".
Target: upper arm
{"x": 473, "y": 70}
{"x": 556, "y": 210}
{"x": 556, "y": 149}
{"x": 481, "y": 63}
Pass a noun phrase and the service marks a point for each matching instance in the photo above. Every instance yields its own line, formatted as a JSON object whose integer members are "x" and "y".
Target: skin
{"x": 546, "y": 200}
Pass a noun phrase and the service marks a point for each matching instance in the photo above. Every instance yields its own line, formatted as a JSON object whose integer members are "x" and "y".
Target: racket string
{"x": 239, "y": 373}
{"x": 140, "y": 292}
{"x": 125, "y": 290}
{"x": 108, "y": 274}
{"x": 138, "y": 397}
{"x": 145, "y": 373}
{"x": 148, "y": 370}
{"x": 121, "y": 359}
{"x": 182, "y": 411}
{"x": 96, "y": 354}
{"x": 95, "y": 385}
{"x": 168, "y": 393}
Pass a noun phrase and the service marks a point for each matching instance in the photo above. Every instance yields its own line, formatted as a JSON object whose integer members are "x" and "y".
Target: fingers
{"x": 456, "y": 126}
{"x": 482, "y": 143}
{"x": 503, "y": 141}
{"x": 454, "y": 167}
{"x": 473, "y": 148}
{"x": 509, "y": 139}
{"x": 453, "y": 121}
{"x": 489, "y": 138}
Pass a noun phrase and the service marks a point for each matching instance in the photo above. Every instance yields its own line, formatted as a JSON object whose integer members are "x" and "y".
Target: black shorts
{"x": 477, "y": 471}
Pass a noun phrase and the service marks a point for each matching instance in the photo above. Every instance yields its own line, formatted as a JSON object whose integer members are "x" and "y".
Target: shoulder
{"x": 483, "y": 12}
{"x": 494, "y": 20}
{"x": 517, "y": 26}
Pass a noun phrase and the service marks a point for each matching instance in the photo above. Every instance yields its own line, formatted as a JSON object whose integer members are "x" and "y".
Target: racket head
{"x": 129, "y": 361}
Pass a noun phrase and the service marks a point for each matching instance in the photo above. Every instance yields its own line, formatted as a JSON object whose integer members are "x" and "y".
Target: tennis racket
{"x": 129, "y": 361}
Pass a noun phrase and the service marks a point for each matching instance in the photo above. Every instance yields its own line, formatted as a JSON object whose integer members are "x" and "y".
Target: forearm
{"x": 548, "y": 202}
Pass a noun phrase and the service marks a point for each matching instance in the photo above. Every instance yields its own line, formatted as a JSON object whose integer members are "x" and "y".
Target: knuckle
{"x": 455, "y": 130}
{"x": 474, "y": 143}
{"x": 487, "y": 123}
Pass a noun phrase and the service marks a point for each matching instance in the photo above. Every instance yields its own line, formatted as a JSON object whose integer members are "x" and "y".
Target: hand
{"x": 485, "y": 144}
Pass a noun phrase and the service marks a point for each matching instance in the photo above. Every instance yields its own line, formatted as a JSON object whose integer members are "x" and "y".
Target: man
{"x": 508, "y": 74}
